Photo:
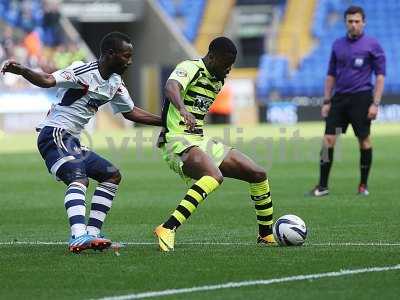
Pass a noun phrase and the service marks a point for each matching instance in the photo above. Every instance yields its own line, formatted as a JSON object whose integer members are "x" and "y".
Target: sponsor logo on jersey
{"x": 94, "y": 104}
{"x": 105, "y": 90}
{"x": 202, "y": 103}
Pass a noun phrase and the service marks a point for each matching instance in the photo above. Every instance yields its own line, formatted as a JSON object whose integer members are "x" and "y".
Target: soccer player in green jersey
{"x": 190, "y": 90}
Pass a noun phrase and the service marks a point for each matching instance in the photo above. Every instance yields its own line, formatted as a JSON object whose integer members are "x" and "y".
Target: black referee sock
{"x": 325, "y": 166}
{"x": 365, "y": 164}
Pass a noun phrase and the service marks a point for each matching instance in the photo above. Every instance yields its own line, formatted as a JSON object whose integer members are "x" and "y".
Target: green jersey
{"x": 200, "y": 89}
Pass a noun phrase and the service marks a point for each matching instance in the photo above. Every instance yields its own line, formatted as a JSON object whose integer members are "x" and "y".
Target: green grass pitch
{"x": 217, "y": 245}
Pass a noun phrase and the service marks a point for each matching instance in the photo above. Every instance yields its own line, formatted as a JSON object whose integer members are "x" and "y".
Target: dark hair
{"x": 113, "y": 41}
{"x": 354, "y": 10}
{"x": 222, "y": 45}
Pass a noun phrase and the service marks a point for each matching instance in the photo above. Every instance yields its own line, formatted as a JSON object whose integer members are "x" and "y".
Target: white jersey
{"x": 82, "y": 91}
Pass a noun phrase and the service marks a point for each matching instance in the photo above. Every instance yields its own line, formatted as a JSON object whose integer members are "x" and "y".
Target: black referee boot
{"x": 318, "y": 192}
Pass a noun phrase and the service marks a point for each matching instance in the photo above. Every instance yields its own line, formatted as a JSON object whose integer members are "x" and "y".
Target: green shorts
{"x": 172, "y": 152}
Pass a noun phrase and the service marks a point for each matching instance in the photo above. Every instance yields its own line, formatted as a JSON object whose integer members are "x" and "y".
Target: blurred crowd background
{"x": 32, "y": 34}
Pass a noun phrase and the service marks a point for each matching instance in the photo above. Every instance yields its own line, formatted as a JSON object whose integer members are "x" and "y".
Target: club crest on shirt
{"x": 358, "y": 62}
{"x": 66, "y": 75}
{"x": 181, "y": 73}
{"x": 120, "y": 91}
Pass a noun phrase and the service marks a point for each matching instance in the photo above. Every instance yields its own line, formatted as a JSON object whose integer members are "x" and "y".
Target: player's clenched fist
{"x": 12, "y": 66}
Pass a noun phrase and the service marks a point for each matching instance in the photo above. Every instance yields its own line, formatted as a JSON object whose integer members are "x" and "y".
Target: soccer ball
{"x": 290, "y": 230}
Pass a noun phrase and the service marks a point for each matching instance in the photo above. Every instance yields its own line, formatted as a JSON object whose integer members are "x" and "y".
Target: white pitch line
{"x": 355, "y": 244}
{"x": 239, "y": 284}
{"x": 38, "y": 243}
{"x": 31, "y": 243}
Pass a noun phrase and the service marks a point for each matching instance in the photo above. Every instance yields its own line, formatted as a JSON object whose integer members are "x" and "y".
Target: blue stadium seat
{"x": 273, "y": 71}
{"x": 168, "y": 6}
{"x": 382, "y": 22}
{"x": 189, "y": 12}
{"x": 12, "y": 13}
{"x": 3, "y": 8}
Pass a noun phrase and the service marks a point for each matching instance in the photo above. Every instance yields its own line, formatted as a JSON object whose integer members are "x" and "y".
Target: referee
{"x": 354, "y": 58}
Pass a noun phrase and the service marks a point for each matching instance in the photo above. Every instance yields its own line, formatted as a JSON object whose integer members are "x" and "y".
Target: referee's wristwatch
{"x": 376, "y": 103}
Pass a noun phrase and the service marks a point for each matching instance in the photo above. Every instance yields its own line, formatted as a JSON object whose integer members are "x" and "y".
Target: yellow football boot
{"x": 267, "y": 240}
{"x": 166, "y": 238}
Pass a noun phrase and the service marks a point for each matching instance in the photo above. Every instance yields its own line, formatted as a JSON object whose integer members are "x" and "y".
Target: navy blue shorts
{"x": 68, "y": 161}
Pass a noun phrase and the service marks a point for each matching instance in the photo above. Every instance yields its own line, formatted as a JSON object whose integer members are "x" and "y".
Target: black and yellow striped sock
{"x": 195, "y": 195}
{"x": 261, "y": 196}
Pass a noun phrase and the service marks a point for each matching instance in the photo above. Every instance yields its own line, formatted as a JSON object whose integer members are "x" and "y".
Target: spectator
{"x": 52, "y": 36}
{"x": 34, "y": 36}
{"x": 27, "y": 23}
{"x": 7, "y": 41}
{"x": 32, "y": 44}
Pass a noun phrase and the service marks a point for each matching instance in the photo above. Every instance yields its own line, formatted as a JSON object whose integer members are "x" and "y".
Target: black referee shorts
{"x": 349, "y": 108}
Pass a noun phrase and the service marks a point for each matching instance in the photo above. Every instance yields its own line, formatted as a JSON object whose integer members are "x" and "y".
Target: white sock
{"x": 74, "y": 203}
{"x": 101, "y": 204}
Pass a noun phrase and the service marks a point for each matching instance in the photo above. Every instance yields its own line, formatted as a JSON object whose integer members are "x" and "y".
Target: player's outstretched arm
{"x": 141, "y": 116}
{"x": 39, "y": 79}
{"x": 173, "y": 93}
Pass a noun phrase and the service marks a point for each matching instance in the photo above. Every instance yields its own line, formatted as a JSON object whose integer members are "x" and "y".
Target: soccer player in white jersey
{"x": 83, "y": 87}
